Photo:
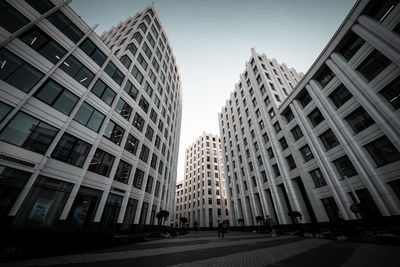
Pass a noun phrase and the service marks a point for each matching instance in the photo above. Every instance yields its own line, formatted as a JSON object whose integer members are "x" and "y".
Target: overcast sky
{"x": 211, "y": 41}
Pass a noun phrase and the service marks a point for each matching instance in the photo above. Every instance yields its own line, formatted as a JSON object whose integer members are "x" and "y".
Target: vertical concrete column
{"x": 333, "y": 184}
{"x": 375, "y": 186}
{"x": 382, "y": 114}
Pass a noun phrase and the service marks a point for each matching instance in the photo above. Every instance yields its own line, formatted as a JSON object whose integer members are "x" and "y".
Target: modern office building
{"x": 89, "y": 125}
{"x": 332, "y": 141}
{"x": 201, "y": 196}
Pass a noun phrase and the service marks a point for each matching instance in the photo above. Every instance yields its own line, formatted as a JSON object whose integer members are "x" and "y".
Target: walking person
{"x": 271, "y": 224}
{"x": 220, "y": 228}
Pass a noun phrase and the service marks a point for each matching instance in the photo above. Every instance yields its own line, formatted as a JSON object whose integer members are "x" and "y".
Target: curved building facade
{"x": 328, "y": 144}
{"x": 89, "y": 125}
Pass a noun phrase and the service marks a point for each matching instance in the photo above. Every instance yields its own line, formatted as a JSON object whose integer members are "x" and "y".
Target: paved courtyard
{"x": 236, "y": 249}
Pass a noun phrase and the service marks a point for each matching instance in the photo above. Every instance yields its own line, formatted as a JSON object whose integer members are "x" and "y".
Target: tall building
{"x": 332, "y": 141}
{"x": 201, "y": 196}
{"x": 89, "y": 125}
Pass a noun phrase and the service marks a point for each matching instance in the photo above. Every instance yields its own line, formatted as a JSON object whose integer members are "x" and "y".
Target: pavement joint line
{"x": 120, "y": 255}
{"x": 259, "y": 257}
{"x": 214, "y": 237}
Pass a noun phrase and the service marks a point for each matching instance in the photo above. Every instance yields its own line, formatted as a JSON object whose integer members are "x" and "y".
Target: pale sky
{"x": 211, "y": 40}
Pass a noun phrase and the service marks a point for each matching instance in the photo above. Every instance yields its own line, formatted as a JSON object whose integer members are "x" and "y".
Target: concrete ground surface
{"x": 236, "y": 249}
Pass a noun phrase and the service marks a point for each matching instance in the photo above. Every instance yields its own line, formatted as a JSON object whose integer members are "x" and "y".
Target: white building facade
{"x": 89, "y": 125}
{"x": 201, "y": 196}
{"x": 332, "y": 141}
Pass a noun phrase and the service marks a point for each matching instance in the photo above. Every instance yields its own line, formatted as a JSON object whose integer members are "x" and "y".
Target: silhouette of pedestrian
{"x": 271, "y": 224}
{"x": 220, "y": 228}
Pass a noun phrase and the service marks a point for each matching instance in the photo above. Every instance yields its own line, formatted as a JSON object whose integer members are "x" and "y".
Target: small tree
{"x": 162, "y": 215}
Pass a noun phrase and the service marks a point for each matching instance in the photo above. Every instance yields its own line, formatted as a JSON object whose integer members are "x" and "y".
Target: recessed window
{"x": 101, "y": 162}
{"x": 297, "y": 133}
{"x": 123, "y": 172}
{"x": 89, "y": 117}
{"x": 324, "y": 76}
{"x": 4, "y": 110}
{"x": 77, "y": 70}
{"x": 391, "y": 93}
{"x": 359, "y": 120}
{"x": 288, "y": 115}
{"x": 18, "y": 73}
{"x": 149, "y": 133}
{"x": 132, "y": 48}
{"x": 315, "y": 117}
{"x": 283, "y": 143}
{"x": 270, "y": 153}
{"x": 138, "y": 37}
{"x": 41, "y": 42}
{"x": 137, "y": 74}
{"x": 138, "y": 178}
{"x": 41, "y": 6}
{"x": 93, "y": 51}
{"x": 277, "y": 127}
{"x": 344, "y": 167}
{"x": 373, "y": 64}
{"x": 138, "y": 122}
{"x": 114, "y": 132}
{"x": 340, "y": 95}
{"x": 114, "y": 73}
{"x": 317, "y": 178}
{"x": 306, "y": 153}
{"x": 71, "y": 150}
{"x": 131, "y": 144}
{"x": 66, "y": 26}
{"x": 305, "y": 99}
{"x": 131, "y": 90}
{"x": 123, "y": 109}
{"x": 10, "y": 18}
{"x": 329, "y": 139}
{"x": 382, "y": 151}
{"x": 149, "y": 184}
{"x": 352, "y": 44}
{"x": 144, "y": 104}
{"x": 271, "y": 113}
{"x": 28, "y": 132}
{"x": 56, "y": 96}
{"x": 276, "y": 170}
{"x": 126, "y": 61}
{"x": 105, "y": 93}
{"x": 144, "y": 153}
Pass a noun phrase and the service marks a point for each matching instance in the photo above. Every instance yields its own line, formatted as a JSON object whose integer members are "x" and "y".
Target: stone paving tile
{"x": 259, "y": 257}
{"x": 118, "y": 255}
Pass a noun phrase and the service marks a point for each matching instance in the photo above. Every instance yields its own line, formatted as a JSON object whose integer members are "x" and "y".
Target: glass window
{"x": 28, "y": 132}
{"x": 132, "y": 48}
{"x": 123, "y": 172}
{"x": 277, "y": 127}
{"x": 270, "y": 153}
{"x": 359, "y": 120}
{"x": 71, "y": 150}
{"x": 283, "y": 143}
{"x": 126, "y": 61}
{"x": 132, "y": 144}
{"x": 329, "y": 139}
{"x": 149, "y": 184}
{"x": 85, "y": 206}
{"x": 104, "y": 92}
{"x": 373, "y": 64}
{"x": 340, "y": 95}
{"x": 305, "y": 99}
{"x": 382, "y": 151}
{"x": 131, "y": 90}
{"x": 157, "y": 189}
{"x": 18, "y": 73}
{"x": 149, "y": 133}
{"x": 89, "y": 117}
{"x": 315, "y": 117}
{"x": 4, "y": 110}
{"x": 44, "y": 203}
{"x": 114, "y": 132}
{"x": 344, "y": 167}
{"x": 41, "y": 6}
{"x": 144, "y": 153}
{"x": 66, "y": 26}
{"x": 101, "y": 162}
{"x": 317, "y": 178}
{"x": 56, "y": 96}
{"x": 123, "y": 109}
{"x": 39, "y": 41}
{"x": 324, "y": 76}
{"x": 146, "y": 50}
{"x": 144, "y": 104}
{"x": 93, "y": 51}
{"x": 130, "y": 213}
{"x": 138, "y": 122}
{"x": 306, "y": 153}
{"x": 111, "y": 209}
{"x": 138, "y": 178}
{"x": 12, "y": 182}
{"x": 391, "y": 93}
{"x": 114, "y": 73}
{"x": 290, "y": 162}
{"x": 137, "y": 74}
{"x": 77, "y": 70}
{"x": 138, "y": 37}
{"x": 352, "y": 44}
{"x": 276, "y": 170}
{"x": 10, "y": 18}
